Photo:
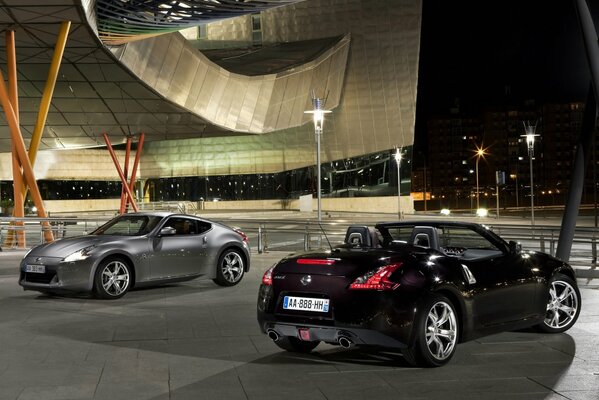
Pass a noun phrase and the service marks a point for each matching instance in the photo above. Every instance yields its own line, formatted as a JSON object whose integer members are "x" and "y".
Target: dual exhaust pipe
{"x": 343, "y": 340}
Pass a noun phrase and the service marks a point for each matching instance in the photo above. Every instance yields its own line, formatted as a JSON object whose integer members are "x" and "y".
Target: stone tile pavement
{"x": 198, "y": 341}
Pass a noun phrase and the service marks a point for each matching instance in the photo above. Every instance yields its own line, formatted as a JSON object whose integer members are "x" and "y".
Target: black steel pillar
{"x": 589, "y": 38}
{"x": 583, "y": 152}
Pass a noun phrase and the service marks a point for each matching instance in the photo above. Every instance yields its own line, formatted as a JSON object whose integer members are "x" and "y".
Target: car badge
{"x": 306, "y": 280}
{"x": 39, "y": 259}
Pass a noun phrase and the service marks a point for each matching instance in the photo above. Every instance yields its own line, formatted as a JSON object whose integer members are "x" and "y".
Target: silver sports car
{"x": 140, "y": 249}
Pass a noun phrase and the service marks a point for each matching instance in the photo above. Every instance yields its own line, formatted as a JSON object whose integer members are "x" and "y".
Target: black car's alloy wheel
{"x": 436, "y": 333}
{"x": 230, "y": 268}
{"x": 293, "y": 344}
{"x": 563, "y": 305}
{"x": 113, "y": 279}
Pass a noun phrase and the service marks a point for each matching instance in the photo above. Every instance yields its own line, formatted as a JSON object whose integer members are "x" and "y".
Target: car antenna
{"x": 325, "y": 236}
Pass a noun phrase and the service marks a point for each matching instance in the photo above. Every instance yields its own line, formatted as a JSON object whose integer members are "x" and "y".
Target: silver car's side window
{"x": 187, "y": 226}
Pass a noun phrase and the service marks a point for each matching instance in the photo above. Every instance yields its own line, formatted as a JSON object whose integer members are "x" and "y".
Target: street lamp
{"x": 318, "y": 114}
{"x": 398, "y": 156}
{"x": 530, "y": 143}
{"x": 480, "y": 152}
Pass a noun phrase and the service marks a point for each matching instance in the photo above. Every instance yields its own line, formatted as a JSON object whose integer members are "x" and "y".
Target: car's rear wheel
{"x": 112, "y": 279}
{"x": 295, "y": 345}
{"x": 230, "y": 268}
{"x": 563, "y": 305}
{"x": 436, "y": 330}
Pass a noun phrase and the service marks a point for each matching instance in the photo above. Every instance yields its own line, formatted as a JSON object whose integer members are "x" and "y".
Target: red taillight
{"x": 267, "y": 277}
{"x": 244, "y": 237}
{"x": 377, "y": 280}
{"x": 316, "y": 261}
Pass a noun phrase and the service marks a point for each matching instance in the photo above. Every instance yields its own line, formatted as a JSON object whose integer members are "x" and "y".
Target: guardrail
{"x": 309, "y": 235}
{"x": 302, "y": 234}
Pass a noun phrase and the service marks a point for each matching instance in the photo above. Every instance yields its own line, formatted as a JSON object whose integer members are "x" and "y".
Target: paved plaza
{"x": 196, "y": 340}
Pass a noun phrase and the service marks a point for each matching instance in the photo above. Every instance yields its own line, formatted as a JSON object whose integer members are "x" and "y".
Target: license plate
{"x": 36, "y": 269}
{"x": 305, "y": 304}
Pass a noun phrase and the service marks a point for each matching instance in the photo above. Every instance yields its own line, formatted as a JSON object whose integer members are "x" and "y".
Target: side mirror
{"x": 167, "y": 231}
{"x": 515, "y": 247}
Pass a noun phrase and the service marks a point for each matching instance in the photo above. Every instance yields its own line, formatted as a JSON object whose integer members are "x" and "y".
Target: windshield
{"x": 129, "y": 225}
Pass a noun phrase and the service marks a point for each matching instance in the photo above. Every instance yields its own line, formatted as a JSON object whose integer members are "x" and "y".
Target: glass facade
{"x": 365, "y": 176}
{"x": 369, "y": 175}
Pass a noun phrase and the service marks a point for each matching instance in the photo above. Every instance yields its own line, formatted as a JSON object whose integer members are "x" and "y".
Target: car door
{"x": 182, "y": 253}
{"x": 500, "y": 284}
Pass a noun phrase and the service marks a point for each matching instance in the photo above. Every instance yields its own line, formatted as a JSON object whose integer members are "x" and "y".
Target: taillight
{"x": 267, "y": 277}
{"x": 244, "y": 237}
{"x": 377, "y": 279}
{"x": 316, "y": 261}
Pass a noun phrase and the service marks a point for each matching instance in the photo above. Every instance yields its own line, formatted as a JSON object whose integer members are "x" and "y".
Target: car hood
{"x": 64, "y": 247}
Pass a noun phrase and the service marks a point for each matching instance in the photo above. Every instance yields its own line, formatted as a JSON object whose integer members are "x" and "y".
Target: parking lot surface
{"x": 196, "y": 340}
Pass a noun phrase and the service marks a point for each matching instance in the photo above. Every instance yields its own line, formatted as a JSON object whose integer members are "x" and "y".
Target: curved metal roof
{"x": 95, "y": 92}
{"x": 120, "y": 21}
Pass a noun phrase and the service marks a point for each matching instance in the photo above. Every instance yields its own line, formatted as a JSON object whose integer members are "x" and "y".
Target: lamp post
{"x": 480, "y": 152}
{"x": 318, "y": 116}
{"x": 398, "y": 157}
{"x": 530, "y": 143}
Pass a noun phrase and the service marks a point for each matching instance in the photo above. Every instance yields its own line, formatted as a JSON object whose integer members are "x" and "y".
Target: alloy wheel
{"x": 441, "y": 330}
{"x": 562, "y": 306}
{"x": 115, "y": 278}
{"x": 232, "y": 267}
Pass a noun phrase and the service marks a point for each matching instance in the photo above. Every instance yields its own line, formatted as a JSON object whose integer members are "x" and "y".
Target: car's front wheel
{"x": 563, "y": 305}
{"x": 436, "y": 330}
{"x": 112, "y": 279}
{"x": 230, "y": 268}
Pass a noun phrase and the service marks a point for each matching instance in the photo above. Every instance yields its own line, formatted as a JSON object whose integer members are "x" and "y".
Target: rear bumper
{"x": 357, "y": 336}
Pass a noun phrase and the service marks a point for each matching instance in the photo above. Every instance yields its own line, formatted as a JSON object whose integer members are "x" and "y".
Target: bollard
{"x": 264, "y": 238}
{"x": 260, "y": 248}
{"x": 307, "y": 238}
{"x": 542, "y": 238}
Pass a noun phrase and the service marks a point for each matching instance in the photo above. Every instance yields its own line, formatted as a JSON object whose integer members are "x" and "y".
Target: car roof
{"x": 161, "y": 214}
{"x": 435, "y": 223}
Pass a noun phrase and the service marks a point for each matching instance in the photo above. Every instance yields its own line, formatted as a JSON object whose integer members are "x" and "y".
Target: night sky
{"x": 474, "y": 50}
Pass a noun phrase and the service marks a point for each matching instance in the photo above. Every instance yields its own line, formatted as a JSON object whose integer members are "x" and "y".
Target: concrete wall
{"x": 358, "y": 204}
{"x": 70, "y": 165}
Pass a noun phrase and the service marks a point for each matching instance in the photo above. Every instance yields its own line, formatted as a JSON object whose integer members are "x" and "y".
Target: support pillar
{"x": 15, "y": 132}
{"x": 589, "y": 38}
{"x": 140, "y": 145}
{"x": 16, "y": 237}
{"x": 124, "y": 202}
{"x": 120, "y": 172}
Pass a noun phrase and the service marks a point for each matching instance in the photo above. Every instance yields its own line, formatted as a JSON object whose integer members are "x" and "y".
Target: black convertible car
{"x": 418, "y": 287}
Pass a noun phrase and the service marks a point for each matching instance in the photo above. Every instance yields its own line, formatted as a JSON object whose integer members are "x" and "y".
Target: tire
{"x": 436, "y": 333}
{"x": 293, "y": 344}
{"x": 230, "y": 268}
{"x": 563, "y": 305}
{"x": 113, "y": 279}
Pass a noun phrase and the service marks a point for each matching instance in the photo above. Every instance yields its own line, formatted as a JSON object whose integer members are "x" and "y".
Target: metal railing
{"x": 302, "y": 234}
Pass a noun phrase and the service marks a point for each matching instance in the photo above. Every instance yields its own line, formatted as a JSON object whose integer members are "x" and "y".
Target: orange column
{"x": 17, "y": 138}
{"x": 42, "y": 114}
{"x": 136, "y": 163}
{"x": 126, "y": 172}
{"x": 11, "y": 61}
{"x": 120, "y": 172}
